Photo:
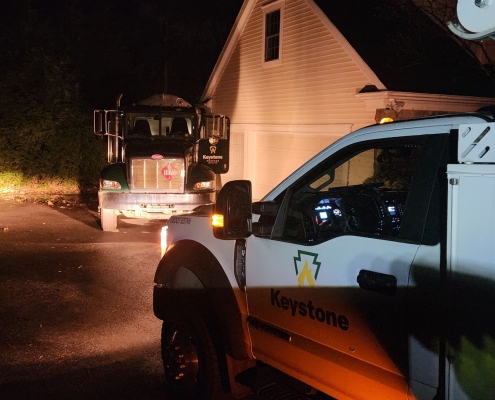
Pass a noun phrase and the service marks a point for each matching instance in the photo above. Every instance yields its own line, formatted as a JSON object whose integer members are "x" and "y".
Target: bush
{"x": 46, "y": 138}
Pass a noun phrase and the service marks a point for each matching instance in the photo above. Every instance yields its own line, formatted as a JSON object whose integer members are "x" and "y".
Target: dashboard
{"x": 359, "y": 209}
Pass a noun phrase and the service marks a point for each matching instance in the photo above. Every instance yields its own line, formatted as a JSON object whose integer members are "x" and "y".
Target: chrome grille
{"x": 157, "y": 176}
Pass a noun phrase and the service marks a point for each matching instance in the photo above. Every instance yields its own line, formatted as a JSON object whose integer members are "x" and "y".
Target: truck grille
{"x": 157, "y": 176}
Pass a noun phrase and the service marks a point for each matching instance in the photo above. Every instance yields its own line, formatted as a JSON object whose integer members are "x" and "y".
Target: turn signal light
{"x": 217, "y": 220}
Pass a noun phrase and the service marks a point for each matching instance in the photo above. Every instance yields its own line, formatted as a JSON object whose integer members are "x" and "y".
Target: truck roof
{"x": 419, "y": 126}
{"x": 164, "y": 100}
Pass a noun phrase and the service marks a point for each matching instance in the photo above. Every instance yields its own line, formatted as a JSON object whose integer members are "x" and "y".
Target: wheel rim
{"x": 181, "y": 366}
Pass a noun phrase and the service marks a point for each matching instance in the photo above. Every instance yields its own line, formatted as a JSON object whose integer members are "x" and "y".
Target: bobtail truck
{"x": 165, "y": 157}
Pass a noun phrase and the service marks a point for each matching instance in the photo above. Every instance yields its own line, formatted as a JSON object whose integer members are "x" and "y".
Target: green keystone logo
{"x": 305, "y": 264}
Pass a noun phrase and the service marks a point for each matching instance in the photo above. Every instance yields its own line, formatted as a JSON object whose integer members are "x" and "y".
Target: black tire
{"x": 190, "y": 359}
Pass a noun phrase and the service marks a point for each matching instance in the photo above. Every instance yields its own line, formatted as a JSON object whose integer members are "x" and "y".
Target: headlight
{"x": 106, "y": 184}
{"x": 204, "y": 185}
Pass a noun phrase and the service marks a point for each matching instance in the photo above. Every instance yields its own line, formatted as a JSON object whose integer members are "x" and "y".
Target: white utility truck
{"x": 369, "y": 273}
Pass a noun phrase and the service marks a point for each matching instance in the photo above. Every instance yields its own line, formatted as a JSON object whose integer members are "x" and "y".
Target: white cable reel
{"x": 477, "y": 20}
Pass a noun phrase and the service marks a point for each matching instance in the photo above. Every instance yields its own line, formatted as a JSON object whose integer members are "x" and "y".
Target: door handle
{"x": 377, "y": 282}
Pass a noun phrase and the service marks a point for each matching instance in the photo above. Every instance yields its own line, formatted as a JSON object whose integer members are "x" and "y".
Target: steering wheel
{"x": 364, "y": 210}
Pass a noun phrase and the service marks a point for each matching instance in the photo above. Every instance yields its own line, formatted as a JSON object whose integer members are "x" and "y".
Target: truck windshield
{"x": 141, "y": 125}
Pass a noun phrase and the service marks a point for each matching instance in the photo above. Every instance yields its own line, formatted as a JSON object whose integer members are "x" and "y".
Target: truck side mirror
{"x": 233, "y": 217}
{"x": 267, "y": 210}
{"x": 100, "y": 123}
{"x": 213, "y": 146}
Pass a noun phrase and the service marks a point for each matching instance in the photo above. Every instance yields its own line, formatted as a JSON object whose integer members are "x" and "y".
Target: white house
{"x": 295, "y": 75}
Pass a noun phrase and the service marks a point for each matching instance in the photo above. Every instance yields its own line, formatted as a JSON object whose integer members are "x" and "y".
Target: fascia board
{"x": 228, "y": 49}
{"x": 423, "y": 101}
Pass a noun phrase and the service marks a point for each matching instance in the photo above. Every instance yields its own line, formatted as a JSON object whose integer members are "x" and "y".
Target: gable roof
{"x": 406, "y": 49}
{"x": 403, "y": 48}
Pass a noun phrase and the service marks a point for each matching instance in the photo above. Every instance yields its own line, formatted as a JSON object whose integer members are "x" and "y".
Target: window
{"x": 141, "y": 124}
{"x": 273, "y": 17}
{"x": 272, "y": 35}
{"x": 365, "y": 191}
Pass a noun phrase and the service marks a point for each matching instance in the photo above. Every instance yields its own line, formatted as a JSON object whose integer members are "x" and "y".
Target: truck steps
{"x": 276, "y": 391}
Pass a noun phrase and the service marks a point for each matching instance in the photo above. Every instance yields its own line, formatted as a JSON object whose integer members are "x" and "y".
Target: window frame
{"x": 267, "y": 9}
{"x": 425, "y": 177}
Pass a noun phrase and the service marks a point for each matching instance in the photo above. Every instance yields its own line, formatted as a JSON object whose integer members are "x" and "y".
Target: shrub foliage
{"x": 61, "y": 59}
{"x": 46, "y": 134}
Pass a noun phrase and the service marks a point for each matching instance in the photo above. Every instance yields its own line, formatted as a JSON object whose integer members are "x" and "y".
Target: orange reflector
{"x": 386, "y": 120}
{"x": 217, "y": 220}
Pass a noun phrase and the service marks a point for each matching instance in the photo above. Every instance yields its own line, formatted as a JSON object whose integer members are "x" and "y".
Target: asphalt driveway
{"x": 76, "y": 318}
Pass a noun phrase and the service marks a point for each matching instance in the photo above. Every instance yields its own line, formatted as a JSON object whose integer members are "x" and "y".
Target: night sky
{"x": 108, "y": 47}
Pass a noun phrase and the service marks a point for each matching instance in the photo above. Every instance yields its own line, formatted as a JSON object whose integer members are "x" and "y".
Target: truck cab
{"x": 367, "y": 273}
{"x": 164, "y": 156}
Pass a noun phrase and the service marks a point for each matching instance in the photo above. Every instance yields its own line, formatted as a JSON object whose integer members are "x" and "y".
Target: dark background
{"x": 61, "y": 59}
{"x": 103, "y": 48}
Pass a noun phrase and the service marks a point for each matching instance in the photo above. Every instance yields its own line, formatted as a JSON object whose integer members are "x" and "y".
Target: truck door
{"x": 327, "y": 290}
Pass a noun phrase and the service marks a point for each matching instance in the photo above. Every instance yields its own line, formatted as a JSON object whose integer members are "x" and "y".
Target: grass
{"x": 44, "y": 192}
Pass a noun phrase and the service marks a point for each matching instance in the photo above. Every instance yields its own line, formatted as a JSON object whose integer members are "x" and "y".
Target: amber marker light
{"x": 204, "y": 185}
{"x": 217, "y": 220}
{"x": 386, "y": 120}
{"x": 163, "y": 240}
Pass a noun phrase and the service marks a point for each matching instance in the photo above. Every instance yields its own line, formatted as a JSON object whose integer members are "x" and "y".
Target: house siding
{"x": 274, "y": 108}
{"x": 315, "y": 82}
{"x": 266, "y": 154}
{"x": 236, "y": 164}
{"x": 279, "y": 153}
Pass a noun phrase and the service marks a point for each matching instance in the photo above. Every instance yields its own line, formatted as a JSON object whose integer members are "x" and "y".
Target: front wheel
{"x": 190, "y": 358}
{"x": 108, "y": 219}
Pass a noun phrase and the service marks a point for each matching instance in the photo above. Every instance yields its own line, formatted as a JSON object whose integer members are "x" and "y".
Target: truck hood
{"x": 165, "y": 148}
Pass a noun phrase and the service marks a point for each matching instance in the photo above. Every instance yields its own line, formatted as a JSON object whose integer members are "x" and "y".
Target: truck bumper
{"x": 143, "y": 203}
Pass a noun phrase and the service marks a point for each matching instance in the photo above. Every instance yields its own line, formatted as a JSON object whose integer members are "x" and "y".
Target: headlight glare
{"x": 106, "y": 184}
{"x": 164, "y": 239}
{"x": 208, "y": 185}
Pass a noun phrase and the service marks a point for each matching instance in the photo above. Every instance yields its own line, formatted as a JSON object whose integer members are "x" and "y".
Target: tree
{"x": 59, "y": 60}
{"x": 44, "y": 117}
{"x": 443, "y": 11}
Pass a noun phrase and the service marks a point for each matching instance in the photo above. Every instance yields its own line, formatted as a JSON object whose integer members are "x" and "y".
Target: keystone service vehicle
{"x": 369, "y": 273}
{"x": 164, "y": 157}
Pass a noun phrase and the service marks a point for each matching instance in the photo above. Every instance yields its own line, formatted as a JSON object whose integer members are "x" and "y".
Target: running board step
{"x": 276, "y": 391}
